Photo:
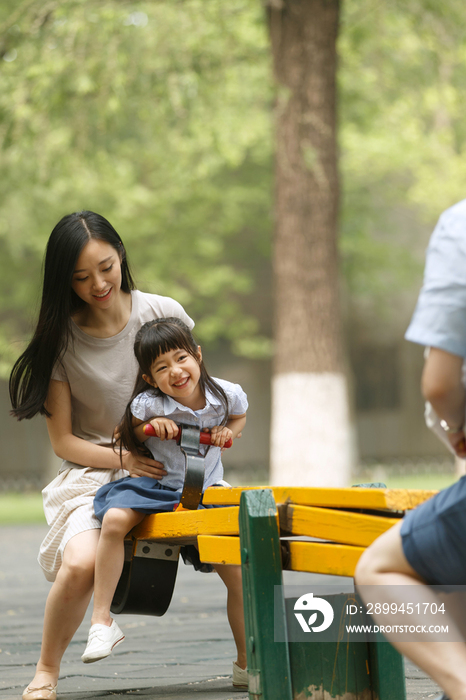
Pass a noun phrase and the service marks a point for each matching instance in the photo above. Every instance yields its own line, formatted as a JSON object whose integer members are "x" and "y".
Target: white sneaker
{"x": 101, "y": 642}
{"x": 240, "y": 677}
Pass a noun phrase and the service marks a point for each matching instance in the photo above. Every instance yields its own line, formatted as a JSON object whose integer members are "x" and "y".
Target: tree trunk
{"x": 311, "y": 435}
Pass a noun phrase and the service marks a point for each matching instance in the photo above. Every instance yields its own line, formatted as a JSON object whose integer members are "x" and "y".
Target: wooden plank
{"x": 313, "y": 557}
{"x": 386, "y": 670}
{"x": 334, "y": 670}
{"x": 385, "y": 499}
{"x": 344, "y": 669}
{"x": 335, "y": 525}
{"x": 185, "y": 524}
{"x": 324, "y": 558}
{"x": 264, "y": 616}
{"x": 219, "y": 550}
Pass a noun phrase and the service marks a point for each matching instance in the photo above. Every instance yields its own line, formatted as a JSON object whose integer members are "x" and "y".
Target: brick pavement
{"x": 184, "y": 655}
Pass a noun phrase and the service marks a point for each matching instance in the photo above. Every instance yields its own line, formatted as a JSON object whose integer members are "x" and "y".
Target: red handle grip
{"x": 204, "y": 438}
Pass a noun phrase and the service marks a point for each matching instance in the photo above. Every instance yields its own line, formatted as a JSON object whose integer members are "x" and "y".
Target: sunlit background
{"x": 159, "y": 115}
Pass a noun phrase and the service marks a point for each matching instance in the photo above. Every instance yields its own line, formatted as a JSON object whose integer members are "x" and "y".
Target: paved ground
{"x": 186, "y": 654}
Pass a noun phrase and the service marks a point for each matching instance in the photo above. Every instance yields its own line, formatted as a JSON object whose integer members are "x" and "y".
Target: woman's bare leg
{"x": 384, "y": 565}
{"x": 231, "y": 577}
{"x": 116, "y": 524}
{"x": 66, "y": 604}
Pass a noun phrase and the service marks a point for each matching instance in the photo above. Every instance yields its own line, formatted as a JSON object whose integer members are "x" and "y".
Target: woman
{"x": 79, "y": 370}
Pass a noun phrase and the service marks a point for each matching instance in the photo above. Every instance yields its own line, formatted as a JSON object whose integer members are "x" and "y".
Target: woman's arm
{"x": 75, "y": 449}
{"x": 443, "y": 387}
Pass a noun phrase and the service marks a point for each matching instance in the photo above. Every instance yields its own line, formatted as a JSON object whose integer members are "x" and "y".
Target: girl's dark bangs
{"x": 161, "y": 340}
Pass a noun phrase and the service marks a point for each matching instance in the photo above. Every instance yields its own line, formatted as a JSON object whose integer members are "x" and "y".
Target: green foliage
{"x": 154, "y": 114}
{"x": 403, "y": 135}
{"x": 159, "y": 115}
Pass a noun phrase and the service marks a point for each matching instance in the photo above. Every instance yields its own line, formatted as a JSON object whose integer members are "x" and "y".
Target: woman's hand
{"x": 142, "y": 466}
{"x": 458, "y": 442}
{"x": 117, "y": 434}
{"x": 443, "y": 387}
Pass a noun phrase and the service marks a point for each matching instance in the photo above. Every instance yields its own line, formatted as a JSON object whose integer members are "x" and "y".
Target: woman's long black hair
{"x": 153, "y": 339}
{"x": 30, "y": 376}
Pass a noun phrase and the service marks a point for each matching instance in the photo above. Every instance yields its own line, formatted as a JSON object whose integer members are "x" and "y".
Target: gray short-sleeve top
{"x": 101, "y": 371}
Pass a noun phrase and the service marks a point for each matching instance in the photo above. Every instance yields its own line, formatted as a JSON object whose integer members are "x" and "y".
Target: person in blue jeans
{"x": 428, "y": 547}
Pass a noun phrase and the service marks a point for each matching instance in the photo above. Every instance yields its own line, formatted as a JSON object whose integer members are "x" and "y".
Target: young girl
{"x": 79, "y": 371}
{"x": 172, "y": 387}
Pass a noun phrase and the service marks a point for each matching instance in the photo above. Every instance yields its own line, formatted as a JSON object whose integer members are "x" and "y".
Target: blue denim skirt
{"x": 144, "y": 494}
{"x": 434, "y": 537}
{"x": 148, "y": 496}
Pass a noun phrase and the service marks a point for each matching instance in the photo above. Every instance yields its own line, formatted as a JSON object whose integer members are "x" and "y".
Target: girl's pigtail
{"x": 206, "y": 381}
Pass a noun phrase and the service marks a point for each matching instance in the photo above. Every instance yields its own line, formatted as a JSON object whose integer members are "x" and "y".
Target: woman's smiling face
{"x": 97, "y": 274}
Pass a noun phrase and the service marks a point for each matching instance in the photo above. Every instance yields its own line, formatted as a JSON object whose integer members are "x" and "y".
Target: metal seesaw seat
{"x": 149, "y": 572}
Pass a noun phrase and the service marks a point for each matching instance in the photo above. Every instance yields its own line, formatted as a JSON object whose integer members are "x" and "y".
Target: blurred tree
{"x": 402, "y": 138}
{"x": 311, "y": 436}
{"x": 157, "y": 115}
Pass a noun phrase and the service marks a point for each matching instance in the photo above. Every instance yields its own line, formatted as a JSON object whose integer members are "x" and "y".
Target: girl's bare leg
{"x": 116, "y": 524}
{"x": 66, "y": 604}
{"x": 384, "y": 565}
{"x": 231, "y": 577}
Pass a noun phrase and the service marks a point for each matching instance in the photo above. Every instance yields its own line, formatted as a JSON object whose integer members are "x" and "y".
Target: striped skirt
{"x": 69, "y": 510}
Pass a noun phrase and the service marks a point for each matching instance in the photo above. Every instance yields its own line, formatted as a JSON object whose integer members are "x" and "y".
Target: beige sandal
{"x": 45, "y": 692}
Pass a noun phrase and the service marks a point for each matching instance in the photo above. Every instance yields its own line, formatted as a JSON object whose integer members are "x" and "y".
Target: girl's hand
{"x": 219, "y": 435}
{"x": 142, "y": 466}
{"x": 165, "y": 428}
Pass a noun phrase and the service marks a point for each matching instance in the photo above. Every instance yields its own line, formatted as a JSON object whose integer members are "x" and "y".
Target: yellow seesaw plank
{"x": 386, "y": 499}
{"x": 186, "y": 524}
{"x": 219, "y": 550}
{"x": 324, "y": 558}
{"x": 313, "y": 557}
{"x": 336, "y": 525}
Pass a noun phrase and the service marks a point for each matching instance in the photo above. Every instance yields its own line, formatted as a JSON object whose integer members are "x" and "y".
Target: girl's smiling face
{"x": 176, "y": 373}
{"x": 97, "y": 275}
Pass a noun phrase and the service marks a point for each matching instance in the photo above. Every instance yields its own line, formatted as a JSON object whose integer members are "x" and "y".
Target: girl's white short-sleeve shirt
{"x": 154, "y": 404}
